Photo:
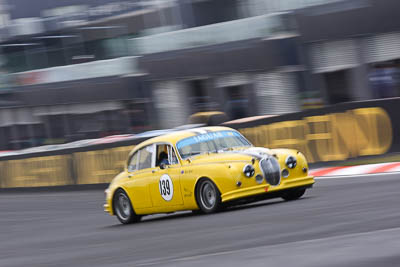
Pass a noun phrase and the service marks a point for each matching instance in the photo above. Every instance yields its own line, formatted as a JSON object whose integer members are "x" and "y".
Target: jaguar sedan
{"x": 204, "y": 170}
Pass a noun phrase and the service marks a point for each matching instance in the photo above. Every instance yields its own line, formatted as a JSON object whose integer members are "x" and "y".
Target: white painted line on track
{"x": 387, "y": 167}
{"x": 353, "y": 170}
{"x": 354, "y": 176}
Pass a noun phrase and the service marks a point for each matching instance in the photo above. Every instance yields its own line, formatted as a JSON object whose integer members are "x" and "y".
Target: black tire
{"x": 208, "y": 196}
{"x": 122, "y": 206}
{"x": 293, "y": 194}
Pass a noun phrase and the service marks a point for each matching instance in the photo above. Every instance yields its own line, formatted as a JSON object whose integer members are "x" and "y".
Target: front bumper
{"x": 108, "y": 205}
{"x": 266, "y": 189}
{"x": 106, "y": 208}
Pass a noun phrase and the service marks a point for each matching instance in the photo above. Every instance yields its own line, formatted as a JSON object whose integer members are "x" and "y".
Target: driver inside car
{"x": 163, "y": 158}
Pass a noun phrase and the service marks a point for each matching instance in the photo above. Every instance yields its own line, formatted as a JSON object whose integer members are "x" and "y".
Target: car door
{"x": 165, "y": 187}
{"x": 140, "y": 175}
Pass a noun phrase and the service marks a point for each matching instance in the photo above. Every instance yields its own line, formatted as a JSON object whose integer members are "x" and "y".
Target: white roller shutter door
{"x": 171, "y": 103}
{"x": 277, "y": 93}
{"x": 236, "y": 79}
{"x": 334, "y": 56}
{"x": 17, "y": 116}
{"x": 383, "y": 47}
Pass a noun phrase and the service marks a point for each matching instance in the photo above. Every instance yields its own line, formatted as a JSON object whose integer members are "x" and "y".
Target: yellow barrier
{"x": 335, "y": 136}
{"x": 331, "y": 137}
{"x": 34, "y": 172}
{"x": 100, "y": 166}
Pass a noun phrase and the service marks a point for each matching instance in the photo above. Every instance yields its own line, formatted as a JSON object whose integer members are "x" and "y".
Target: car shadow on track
{"x": 262, "y": 204}
{"x": 155, "y": 218}
{"x": 187, "y": 214}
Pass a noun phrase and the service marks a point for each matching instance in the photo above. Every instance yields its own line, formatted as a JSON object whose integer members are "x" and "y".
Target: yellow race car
{"x": 204, "y": 170}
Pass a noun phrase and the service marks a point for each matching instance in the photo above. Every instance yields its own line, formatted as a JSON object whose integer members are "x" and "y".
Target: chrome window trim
{"x": 136, "y": 164}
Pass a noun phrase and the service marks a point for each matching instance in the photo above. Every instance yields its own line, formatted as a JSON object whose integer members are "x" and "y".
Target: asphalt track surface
{"x": 340, "y": 222}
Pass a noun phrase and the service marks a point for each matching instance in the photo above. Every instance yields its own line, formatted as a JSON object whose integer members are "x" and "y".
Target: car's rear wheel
{"x": 123, "y": 208}
{"x": 293, "y": 194}
{"x": 208, "y": 196}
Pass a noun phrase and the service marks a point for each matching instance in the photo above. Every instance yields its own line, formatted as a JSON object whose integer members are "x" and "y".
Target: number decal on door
{"x": 166, "y": 187}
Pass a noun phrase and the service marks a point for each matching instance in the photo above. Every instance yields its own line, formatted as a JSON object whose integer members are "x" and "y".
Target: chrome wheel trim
{"x": 208, "y": 195}
{"x": 123, "y": 206}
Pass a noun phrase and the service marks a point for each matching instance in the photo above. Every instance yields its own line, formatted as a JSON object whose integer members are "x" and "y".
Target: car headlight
{"x": 285, "y": 173}
{"x": 249, "y": 170}
{"x": 291, "y": 162}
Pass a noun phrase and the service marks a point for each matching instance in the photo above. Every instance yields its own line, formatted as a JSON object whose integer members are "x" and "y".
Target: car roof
{"x": 174, "y": 137}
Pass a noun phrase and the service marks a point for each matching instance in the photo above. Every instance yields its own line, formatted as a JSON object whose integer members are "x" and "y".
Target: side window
{"x": 145, "y": 157}
{"x": 166, "y": 155}
{"x": 162, "y": 155}
{"x": 132, "y": 166}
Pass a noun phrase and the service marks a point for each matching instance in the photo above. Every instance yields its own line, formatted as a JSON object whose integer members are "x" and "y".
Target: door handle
{"x": 153, "y": 171}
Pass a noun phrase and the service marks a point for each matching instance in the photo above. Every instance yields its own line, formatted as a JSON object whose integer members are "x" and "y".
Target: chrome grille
{"x": 271, "y": 170}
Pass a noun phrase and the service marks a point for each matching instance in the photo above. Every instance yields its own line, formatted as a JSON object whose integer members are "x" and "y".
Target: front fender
{"x": 224, "y": 175}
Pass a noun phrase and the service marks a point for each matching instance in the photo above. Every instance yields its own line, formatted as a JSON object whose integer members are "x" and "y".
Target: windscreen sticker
{"x": 206, "y": 137}
{"x": 166, "y": 187}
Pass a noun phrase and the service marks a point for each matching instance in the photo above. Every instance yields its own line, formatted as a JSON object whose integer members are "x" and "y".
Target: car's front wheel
{"x": 208, "y": 196}
{"x": 293, "y": 194}
{"x": 123, "y": 208}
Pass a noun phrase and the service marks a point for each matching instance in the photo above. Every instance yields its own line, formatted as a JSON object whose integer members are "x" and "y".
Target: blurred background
{"x": 82, "y": 69}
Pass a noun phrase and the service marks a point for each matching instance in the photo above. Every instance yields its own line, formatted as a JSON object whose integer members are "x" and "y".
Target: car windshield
{"x": 210, "y": 142}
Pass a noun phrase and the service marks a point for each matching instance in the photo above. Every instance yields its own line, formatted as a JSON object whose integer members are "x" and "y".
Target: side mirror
{"x": 163, "y": 166}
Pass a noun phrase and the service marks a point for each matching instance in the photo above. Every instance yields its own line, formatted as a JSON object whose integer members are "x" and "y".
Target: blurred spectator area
{"x": 384, "y": 78}
{"x": 86, "y": 71}
{"x": 26, "y": 127}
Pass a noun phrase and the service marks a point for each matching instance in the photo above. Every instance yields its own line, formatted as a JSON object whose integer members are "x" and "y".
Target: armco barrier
{"x": 334, "y": 133}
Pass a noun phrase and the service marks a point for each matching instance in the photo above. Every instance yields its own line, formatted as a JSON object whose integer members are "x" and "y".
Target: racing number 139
{"x": 166, "y": 187}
